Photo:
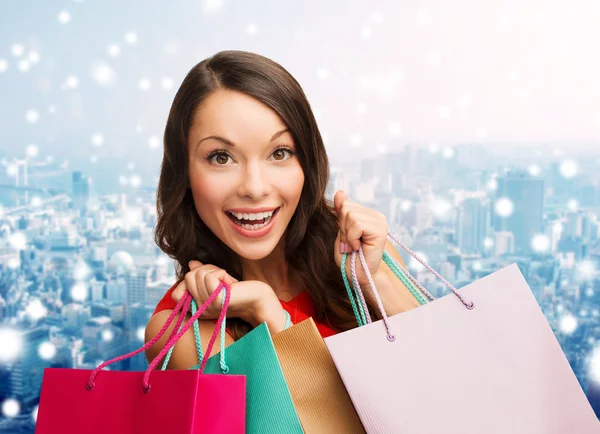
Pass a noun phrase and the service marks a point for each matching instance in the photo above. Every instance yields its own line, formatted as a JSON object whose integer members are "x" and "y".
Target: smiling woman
{"x": 241, "y": 198}
{"x": 249, "y": 169}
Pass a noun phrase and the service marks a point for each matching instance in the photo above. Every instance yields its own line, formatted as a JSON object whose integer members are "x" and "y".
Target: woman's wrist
{"x": 266, "y": 308}
{"x": 274, "y": 315}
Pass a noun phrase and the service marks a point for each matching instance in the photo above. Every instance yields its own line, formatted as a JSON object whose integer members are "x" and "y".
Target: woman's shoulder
{"x": 166, "y": 302}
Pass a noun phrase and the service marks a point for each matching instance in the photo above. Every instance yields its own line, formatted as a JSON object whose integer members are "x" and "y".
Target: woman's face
{"x": 245, "y": 178}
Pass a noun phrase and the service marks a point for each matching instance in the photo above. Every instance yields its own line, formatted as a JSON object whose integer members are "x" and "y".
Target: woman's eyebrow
{"x": 230, "y": 143}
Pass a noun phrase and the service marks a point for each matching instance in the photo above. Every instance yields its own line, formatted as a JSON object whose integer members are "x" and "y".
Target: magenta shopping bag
{"x": 482, "y": 359}
{"x": 151, "y": 402}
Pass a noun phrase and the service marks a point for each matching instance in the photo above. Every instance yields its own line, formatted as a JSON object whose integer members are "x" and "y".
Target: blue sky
{"x": 376, "y": 73}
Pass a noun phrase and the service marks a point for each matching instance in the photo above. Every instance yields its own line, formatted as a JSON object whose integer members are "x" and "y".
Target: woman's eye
{"x": 279, "y": 154}
{"x": 219, "y": 158}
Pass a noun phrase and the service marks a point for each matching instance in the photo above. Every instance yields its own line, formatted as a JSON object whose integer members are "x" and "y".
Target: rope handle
{"x": 224, "y": 367}
{"x": 361, "y": 312}
{"x": 184, "y": 303}
{"x": 390, "y": 335}
{"x": 198, "y": 341}
{"x": 468, "y": 304}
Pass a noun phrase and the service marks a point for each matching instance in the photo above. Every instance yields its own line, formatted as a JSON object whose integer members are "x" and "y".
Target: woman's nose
{"x": 255, "y": 182}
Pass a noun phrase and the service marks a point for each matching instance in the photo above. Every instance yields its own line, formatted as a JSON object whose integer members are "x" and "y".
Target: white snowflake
{"x": 36, "y": 310}
{"x": 17, "y": 50}
{"x": 103, "y": 74}
{"x": 64, "y": 17}
{"x": 107, "y": 335}
{"x": 97, "y": 139}
{"x": 47, "y": 350}
{"x": 32, "y": 116}
{"x": 12, "y": 344}
{"x": 33, "y": 57}
{"x": 131, "y": 38}
{"x": 79, "y": 292}
{"x": 11, "y": 408}
{"x": 322, "y": 73}
{"x": 504, "y": 207}
{"x": 135, "y": 181}
{"x": 251, "y": 29}
{"x": 534, "y": 170}
{"x": 448, "y": 153}
{"x": 167, "y": 83}
{"x": 568, "y": 324}
{"x": 540, "y": 243}
{"x": 568, "y": 169}
{"x": 153, "y": 142}
{"x": 113, "y": 50}
{"x": 144, "y": 84}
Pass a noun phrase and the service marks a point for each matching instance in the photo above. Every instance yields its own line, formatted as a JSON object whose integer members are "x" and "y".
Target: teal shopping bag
{"x": 269, "y": 406}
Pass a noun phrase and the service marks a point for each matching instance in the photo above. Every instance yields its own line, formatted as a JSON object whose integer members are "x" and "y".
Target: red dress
{"x": 299, "y": 308}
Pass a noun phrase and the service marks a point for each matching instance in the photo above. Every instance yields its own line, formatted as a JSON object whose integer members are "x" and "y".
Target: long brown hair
{"x": 310, "y": 235}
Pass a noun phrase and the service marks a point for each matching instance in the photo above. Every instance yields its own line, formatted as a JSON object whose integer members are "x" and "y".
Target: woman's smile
{"x": 252, "y": 224}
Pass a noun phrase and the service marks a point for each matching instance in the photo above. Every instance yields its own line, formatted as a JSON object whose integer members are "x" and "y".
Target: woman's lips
{"x": 254, "y": 233}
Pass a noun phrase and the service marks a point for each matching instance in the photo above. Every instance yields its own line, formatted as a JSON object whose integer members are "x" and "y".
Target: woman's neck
{"x": 274, "y": 271}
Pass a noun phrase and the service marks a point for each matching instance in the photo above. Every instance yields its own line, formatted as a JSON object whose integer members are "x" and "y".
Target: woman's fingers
{"x": 338, "y": 200}
{"x": 354, "y": 231}
{"x": 193, "y": 264}
{"x": 213, "y": 279}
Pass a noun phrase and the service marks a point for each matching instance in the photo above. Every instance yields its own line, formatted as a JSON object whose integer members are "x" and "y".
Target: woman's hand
{"x": 359, "y": 225}
{"x": 251, "y": 300}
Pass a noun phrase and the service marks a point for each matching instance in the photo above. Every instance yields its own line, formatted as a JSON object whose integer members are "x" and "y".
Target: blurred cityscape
{"x": 80, "y": 274}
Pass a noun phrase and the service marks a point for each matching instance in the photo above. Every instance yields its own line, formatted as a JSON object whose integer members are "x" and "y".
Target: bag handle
{"x": 415, "y": 288}
{"x": 468, "y": 304}
{"x": 361, "y": 312}
{"x": 390, "y": 336}
{"x": 182, "y": 306}
{"x": 198, "y": 341}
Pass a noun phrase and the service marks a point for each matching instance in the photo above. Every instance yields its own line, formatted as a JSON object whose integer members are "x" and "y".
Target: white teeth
{"x": 252, "y": 217}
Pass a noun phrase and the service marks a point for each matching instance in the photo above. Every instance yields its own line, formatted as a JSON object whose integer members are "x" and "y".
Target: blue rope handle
{"x": 288, "y": 320}
{"x": 404, "y": 279}
{"x": 358, "y": 311}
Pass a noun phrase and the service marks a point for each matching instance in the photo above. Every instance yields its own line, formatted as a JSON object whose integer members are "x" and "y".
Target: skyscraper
{"x": 525, "y": 219}
{"x": 26, "y": 376}
{"x": 472, "y": 224}
{"x": 81, "y": 190}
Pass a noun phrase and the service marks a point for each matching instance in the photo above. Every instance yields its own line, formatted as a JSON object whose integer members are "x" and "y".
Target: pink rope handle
{"x": 185, "y": 303}
{"x": 90, "y": 384}
{"x": 356, "y": 284}
{"x": 390, "y": 335}
{"x": 186, "y": 327}
{"x": 468, "y": 304}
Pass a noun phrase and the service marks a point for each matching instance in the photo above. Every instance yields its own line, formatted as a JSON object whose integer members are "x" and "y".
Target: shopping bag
{"x": 322, "y": 403}
{"x": 480, "y": 360}
{"x": 269, "y": 405}
{"x": 151, "y": 402}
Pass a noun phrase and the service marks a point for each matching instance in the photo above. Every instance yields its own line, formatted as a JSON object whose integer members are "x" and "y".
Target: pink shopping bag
{"x": 152, "y": 402}
{"x": 480, "y": 360}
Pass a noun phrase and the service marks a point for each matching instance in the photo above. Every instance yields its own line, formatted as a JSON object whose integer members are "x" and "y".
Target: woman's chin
{"x": 254, "y": 251}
